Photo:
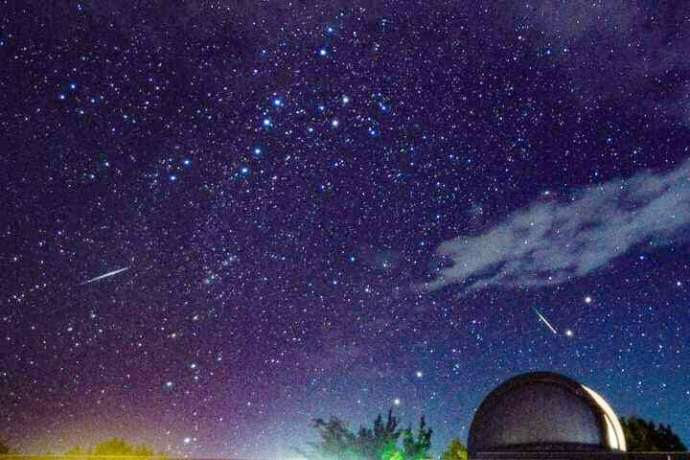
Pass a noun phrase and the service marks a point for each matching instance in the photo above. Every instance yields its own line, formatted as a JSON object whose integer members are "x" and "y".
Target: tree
{"x": 336, "y": 441}
{"x": 380, "y": 442}
{"x": 456, "y": 451}
{"x": 642, "y": 435}
{"x": 117, "y": 446}
{"x": 114, "y": 447}
{"x": 417, "y": 448}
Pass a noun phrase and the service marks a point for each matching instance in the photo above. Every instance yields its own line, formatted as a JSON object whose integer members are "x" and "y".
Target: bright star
{"x": 323, "y": 52}
{"x": 335, "y": 123}
{"x": 419, "y": 374}
{"x": 569, "y": 333}
{"x": 397, "y": 401}
{"x": 588, "y": 299}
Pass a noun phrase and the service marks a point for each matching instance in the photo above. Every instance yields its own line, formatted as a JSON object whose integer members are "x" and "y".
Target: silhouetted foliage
{"x": 111, "y": 448}
{"x": 115, "y": 447}
{"x": 336, "y": 441}
{"x": 372, "y": 442}
{"x": 645, "y": 436}
{"x": 380, "y": 442}
{"x": 456, "y": 451}
{"x": 417, "y": 448}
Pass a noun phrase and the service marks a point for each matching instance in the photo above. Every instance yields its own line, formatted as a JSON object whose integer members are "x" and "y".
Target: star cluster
{"x": 278, "y": 178}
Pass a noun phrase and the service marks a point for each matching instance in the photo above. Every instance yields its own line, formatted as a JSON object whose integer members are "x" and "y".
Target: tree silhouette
{"x": 380, "y": 442}
{"x": 113, "y": 448}
{"x": 372, "y": 442}
{"x": 336, "y": 441}
{"x": 417, "y": 448}
{"x": 110, "y": 448}
{"x": 456, "y": 451}
{"x": 645, "y": 436}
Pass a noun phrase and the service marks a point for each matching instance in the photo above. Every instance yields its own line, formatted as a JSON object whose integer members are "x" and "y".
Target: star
{"x": 317, "y": 202}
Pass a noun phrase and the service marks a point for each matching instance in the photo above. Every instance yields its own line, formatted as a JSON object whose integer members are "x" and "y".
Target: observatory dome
{"x": 544, "y": 411}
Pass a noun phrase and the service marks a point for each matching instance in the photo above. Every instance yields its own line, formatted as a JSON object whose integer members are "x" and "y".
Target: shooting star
{"x": 105, "y": 275}
{"x": 545, "y": 321}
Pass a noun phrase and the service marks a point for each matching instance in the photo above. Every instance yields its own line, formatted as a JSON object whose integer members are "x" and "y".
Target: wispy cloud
{"x": 553, "y": 242}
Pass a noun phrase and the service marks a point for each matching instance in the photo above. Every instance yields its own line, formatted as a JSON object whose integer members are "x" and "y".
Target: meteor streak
{"x": 105, "y": 275}
{"x": 545, "y": 321}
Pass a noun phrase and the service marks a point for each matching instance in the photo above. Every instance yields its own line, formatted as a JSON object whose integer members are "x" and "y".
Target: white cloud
{"x": 549, "y": 243}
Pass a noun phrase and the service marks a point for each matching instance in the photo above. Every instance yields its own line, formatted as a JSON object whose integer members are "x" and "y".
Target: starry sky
{"x": 332, "y": 208}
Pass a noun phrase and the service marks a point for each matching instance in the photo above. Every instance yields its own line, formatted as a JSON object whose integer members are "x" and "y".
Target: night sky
{"x": 327, "y": 208}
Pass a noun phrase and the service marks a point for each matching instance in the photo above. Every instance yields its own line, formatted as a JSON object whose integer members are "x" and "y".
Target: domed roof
{"x": 544, "y": 411}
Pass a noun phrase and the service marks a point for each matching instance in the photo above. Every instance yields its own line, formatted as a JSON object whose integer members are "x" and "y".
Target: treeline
{"x": 114, "y": 447}
{"x": 645, "y": 436}
{"x": 384, "y": 440}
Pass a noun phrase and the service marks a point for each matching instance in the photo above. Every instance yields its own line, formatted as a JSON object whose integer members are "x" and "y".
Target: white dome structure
{"x": 544, "y": 411}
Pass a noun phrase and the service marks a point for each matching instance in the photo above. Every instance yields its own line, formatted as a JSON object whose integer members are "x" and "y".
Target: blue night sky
{"x": 306, "y": 209}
